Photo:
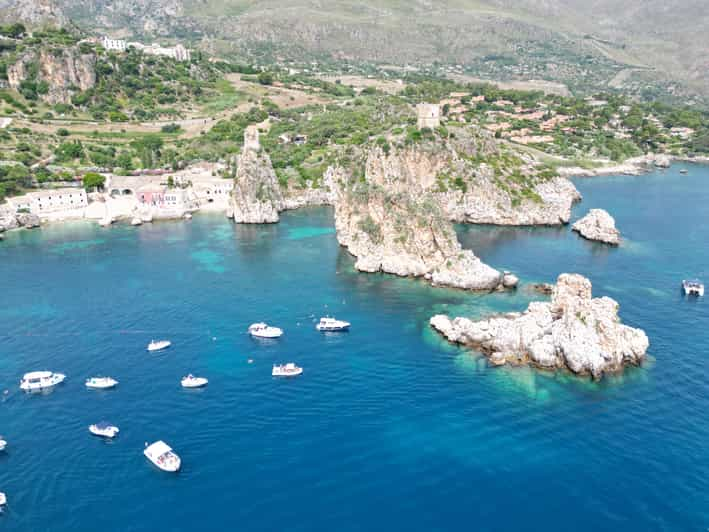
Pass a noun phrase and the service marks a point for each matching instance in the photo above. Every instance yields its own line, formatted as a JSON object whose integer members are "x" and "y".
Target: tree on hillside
{"x": 93, "y": 180}
{"x": 265, "y": 78}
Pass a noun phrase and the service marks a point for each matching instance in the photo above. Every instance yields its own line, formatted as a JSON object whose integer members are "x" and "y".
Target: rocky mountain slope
{"x": 567, "y": 40}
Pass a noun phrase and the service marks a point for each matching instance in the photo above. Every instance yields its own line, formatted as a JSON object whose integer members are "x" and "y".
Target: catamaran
{"x": 263, "y": 330}
{"x": 40, "y": 380}
{"x": 162, "y": 455}
{"x": 331, "y": 324}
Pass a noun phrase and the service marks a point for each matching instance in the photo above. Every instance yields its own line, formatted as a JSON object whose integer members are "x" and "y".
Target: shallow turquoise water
{"x": 389, "y": 428}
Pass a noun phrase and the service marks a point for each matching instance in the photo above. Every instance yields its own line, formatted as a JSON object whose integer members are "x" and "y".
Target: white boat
{"x": 40, "y": 380}
{"x": 101, "y": 383}
{"x": 3, "y": 444}
{"x": 103, "y": 429}
{"x": 190, "y": 381}
{"x": 286, "y": 370}
{"x": 187, "y": 216}
{"x": 693, "y": 287}
{"x": 263, "y": 330}
{"x": 331, "y": 324}
{"x": 3, "y": 499}
{"x": 157, "y": 345}
{"x": 136, "y": 221}
{"x": 162, "y": 455}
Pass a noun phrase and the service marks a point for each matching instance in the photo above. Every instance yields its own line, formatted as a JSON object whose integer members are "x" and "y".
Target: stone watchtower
{"x": 429, "y": 115}
{"x": 251, "y": 141}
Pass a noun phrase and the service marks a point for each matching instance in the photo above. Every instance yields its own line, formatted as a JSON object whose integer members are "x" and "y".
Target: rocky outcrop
{"x": 598, "y": 225}
{"x": 572, "y": 331}
{"x": 476, "y": 192}
{"x": 256, "y": 198}
{"x": 64, "y": 70}
{"x": 11, "y": 220}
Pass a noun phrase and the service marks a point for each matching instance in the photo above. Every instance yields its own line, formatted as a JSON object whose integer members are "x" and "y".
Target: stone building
{"x": 429, "y": 115}
{"x": 50, "y": 201}
{"x": 251, "y": 141}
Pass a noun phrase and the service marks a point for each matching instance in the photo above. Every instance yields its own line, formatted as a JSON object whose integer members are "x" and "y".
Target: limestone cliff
{"x": 572, "y": 331}
{"x": 64, "y": 70}
{"x": 405, "y": 232}
{"x": 256, "y": 198}
{"x": 476, "y": 181}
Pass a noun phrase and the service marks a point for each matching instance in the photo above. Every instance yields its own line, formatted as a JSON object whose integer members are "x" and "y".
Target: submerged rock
{"x": 598, "y": 225}
{"x": 572, "y": 331}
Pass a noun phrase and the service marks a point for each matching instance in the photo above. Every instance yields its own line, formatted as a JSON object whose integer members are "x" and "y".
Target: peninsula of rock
{"x": 573, "y": 331}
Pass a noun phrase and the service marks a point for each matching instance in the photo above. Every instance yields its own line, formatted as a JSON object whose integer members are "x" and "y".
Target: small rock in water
{"x": 598, "y": 225}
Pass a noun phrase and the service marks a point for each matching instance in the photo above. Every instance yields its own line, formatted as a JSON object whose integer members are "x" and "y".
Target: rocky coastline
{"x": 573, "y": 331}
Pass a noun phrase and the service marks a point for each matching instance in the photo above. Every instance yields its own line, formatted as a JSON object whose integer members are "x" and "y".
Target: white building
{"x": 50, "y": 201}
{"x": 113, "y": 44}
{"x": 177, "y": 52}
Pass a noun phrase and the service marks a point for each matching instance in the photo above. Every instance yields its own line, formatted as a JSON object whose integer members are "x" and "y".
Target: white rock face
{"x": 573, "y": 331}
{"x": 598, "y": 225}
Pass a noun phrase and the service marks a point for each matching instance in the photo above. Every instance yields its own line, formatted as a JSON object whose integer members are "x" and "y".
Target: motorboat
{"x": 157, "y": 345}
{"x": 263, "y": 330}
{"x": 286, "y": 370}
{"x": 101, "y": 383}
{"x": 693, "y": 287}
{"x": 3, "y": 443}
{"x": 104, "y": 429}
{"x": 190, "y": 381}
{"x": 331, "y": 324}
{"x": 3, "y": 499}
{"x": 40, "y": 380}
{"x": 162, "y": 455}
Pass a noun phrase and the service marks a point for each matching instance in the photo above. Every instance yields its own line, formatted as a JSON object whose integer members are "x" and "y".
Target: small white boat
{"x": 104, "y": 429}
{"x": 187, "y": 216}
{"x": 101, "y": 383}
{"x": 162, "y": 455}
{"x": 263, "y": 330}
{"x": 136, "y": 221}
{"x": 286, "y": 370}
{"x": 193, "y": 382}
{"x": 693, "y": 287}
{"x": 40, "y": 380}
{"x": 157, "y": 345}
{"x": 331, "y": 324}
{"x": 3, "y": 444}
{"x": 3, "y": 499}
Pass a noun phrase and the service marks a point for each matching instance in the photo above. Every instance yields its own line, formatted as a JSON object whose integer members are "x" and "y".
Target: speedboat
{"x": 331, "y": 324}
{"x": 263, "y": 330}
{"x": 3, "y": 444}
{"x": 101, "y": 383}
{"x": 3, "y": 499}
{"x": 286, "y": 370}
{"x": 104, "y": 429}
{"x": 157, "y": 345}
{"x": 693, "y": 287}
{"x": 193, "y": 382}
{"x": 162, "y": 455}
{"x": 40, "y": 380}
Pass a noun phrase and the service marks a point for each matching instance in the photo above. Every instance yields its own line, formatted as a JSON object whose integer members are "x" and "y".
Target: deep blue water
{"x": 389, "y": 428}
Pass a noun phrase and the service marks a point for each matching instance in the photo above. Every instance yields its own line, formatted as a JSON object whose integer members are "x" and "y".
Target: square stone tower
{"x": 429, "y": 115}
{"x": 251, "y": 141}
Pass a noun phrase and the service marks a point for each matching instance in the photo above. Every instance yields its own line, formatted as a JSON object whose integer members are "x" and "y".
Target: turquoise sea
{"x": 389, "y": 427}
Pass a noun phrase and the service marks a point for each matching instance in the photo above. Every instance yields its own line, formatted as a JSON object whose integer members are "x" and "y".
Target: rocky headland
{"x": 257, "y": 195}
{"x": 598, "y": 225}
{"x": 573, "y": 331}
